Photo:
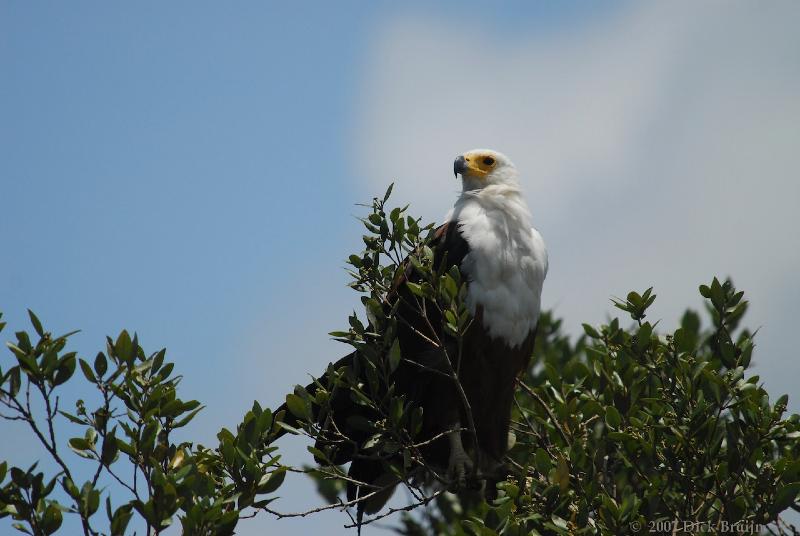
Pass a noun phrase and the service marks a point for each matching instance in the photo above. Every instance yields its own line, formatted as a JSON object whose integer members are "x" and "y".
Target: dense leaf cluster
{"x": 126, "y": 436}
{"x": 626, "y": 429}
{"x": 631, "y": 430}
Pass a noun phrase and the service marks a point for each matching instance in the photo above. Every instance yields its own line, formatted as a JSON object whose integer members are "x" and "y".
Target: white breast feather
{"x": 507, "y": 261}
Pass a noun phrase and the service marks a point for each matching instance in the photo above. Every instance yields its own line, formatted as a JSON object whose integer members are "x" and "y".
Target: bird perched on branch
{"x": 489, "y": 237}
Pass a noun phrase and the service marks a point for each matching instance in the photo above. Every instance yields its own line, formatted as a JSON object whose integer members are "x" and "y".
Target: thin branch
{"x": 51, "y": 445}
{"x": 340, "y": 504}
{"x": 550, "y": 413}
{"x": 454, "y": 376}
{"x": 437, "y": 436}
{"x": 427, "y": 368}
{"x": 390, "y": 511}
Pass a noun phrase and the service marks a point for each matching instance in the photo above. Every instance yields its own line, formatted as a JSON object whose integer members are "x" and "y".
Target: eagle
{"x": 488, "y": 235}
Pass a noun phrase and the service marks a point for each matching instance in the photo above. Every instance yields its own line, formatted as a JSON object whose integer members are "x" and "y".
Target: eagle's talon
{"x": 460, "y": 465}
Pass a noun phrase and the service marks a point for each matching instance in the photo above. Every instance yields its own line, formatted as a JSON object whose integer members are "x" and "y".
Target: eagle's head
{"x": 483, "y": 167}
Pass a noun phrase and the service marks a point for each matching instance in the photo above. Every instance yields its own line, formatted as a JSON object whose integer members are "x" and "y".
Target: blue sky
{"x": 189, "y": 170}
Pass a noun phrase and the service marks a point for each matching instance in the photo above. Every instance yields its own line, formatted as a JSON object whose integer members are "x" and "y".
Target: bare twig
{"x": 340, "y": 504}
{"x": 550, "y": 413}
{"x": 391, "y": 511}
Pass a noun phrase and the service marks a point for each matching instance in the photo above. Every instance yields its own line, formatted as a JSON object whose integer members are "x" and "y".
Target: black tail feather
{"x": 290, "y": 418}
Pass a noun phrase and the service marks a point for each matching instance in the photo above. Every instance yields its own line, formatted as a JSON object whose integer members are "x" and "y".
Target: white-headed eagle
{"x": 488, "y": 235}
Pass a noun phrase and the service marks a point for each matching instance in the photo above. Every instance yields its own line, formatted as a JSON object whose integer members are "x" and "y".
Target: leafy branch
{"x": 127, "y": 439}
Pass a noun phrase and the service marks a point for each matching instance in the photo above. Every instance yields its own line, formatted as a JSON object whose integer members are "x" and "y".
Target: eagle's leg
{"x": 459, "y": 464}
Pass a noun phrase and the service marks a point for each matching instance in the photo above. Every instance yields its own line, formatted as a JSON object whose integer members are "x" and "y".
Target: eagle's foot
{"x": 459, "y": 467}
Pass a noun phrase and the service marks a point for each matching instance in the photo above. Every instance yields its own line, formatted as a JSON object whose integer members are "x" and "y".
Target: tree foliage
{"x": 127, "y": 439}
{"x": 629, "y": 430}
{"x": 626, "y": 429}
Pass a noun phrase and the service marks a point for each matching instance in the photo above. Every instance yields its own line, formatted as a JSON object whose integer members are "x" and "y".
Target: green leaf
{"x": 22, "y": 528}
{"x": 415, "y": 289}
{"x": 37, "y": 325}
{"x": 590, "y": 331}
{"x": 790, "y": 473}
{"x": 79, "y": 443}
{"x": 613, "y": 418}
{"x": 339, "y": 334}
{"x": 183, "y": 421}
{"x": 110, "y": 448}
{"x": 123, "y": 347}
{"x": 717, "y": 294}
{"x": 727, "y": 352}
{"x": 747, "y": 352}
{"x": 542, "y": 461}
{"x": 299, "y": 407}
{"x": 270, "y": 483}
{"x": 87, "y": 371}
{"x": 684, "y": 340}
{"x": 705, "y": 291}
{"x": 158, "y": 361}
{"x": 14, "y": 380}
{"x": 355, "y": 260}
{"x": 394, "y": 355}
{"x": 26, "y": 362}
{"x": 90, "y": 499}
{"x": 100, "y": 364}
{"x": 562, "y": 474}
{"x": 51, "y": 519}
{"x": 785, "y": 497}
{"x": 290, "y": 429}
{"x": 20, "y": 477}
{"x": 476, "y": 527}
{"x": 388, "y": 192}
{"x": 65, "y": 370}
{"x": 71, "y": 418}
{"x": 165, "y": 371}
{"x": 121, "y": 518}
{"x": 643, "y": 337}
{"x": 23, "y": 341}
{"x": 125, "y": 447}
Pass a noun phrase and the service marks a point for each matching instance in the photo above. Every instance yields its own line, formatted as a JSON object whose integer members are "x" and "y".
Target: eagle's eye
{"x": 489, "y": 161}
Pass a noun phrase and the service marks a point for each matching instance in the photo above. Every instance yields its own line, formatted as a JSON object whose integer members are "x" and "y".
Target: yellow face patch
{"x": 479, "y": 164}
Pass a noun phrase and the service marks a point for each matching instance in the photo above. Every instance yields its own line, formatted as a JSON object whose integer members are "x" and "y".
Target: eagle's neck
{"x": 506, "y": 263}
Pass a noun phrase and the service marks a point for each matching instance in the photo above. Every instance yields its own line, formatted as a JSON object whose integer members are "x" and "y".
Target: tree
{"x": 623, "y": 430}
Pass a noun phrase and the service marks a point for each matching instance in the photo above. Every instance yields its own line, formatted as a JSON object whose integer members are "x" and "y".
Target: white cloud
{"x": 660, "y": 145}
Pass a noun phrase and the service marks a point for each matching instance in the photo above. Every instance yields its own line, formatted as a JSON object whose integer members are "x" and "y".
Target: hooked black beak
{"x": 459, "y": 166}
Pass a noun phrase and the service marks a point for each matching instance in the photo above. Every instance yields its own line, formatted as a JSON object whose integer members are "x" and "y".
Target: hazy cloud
{"x": 658, "y": 146}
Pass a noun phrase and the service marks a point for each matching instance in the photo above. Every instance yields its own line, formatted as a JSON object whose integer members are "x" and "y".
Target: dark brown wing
{"x": 449, "y": 248}
{"x": 421, "y": 387}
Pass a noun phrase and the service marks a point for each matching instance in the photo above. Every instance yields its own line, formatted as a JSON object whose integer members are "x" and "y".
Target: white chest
{"x": 506, "y": 265}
